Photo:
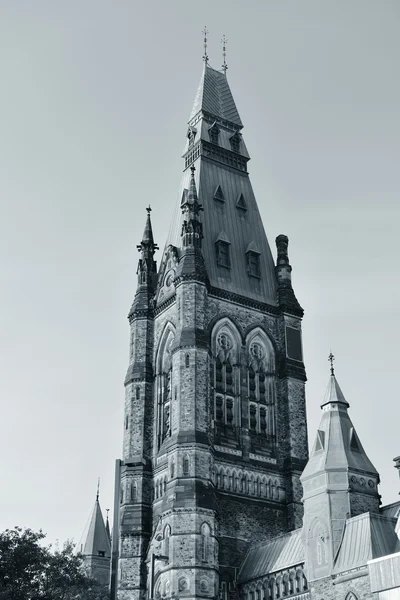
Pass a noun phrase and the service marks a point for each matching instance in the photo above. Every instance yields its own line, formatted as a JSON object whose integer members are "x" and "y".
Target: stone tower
{"x": 215, "y": 435}
{"x": 339, "y": 482}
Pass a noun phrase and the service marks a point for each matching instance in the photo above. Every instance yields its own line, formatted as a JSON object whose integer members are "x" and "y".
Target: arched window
{"x": 185, "y": 465}
{"x": 205, "y": 541}
{"x": 226, "y": 377}
{"x": 164, "y": 384}
{"x": 166, "y": 536}
{"x": 121, "y": 496}
{"x": 318, "y": 536}
{"x": 172, "y": 468}
{"x": 261, "y": 380}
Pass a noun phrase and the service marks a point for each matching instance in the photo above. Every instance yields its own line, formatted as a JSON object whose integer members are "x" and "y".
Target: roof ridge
{"x": 278, "y": 537}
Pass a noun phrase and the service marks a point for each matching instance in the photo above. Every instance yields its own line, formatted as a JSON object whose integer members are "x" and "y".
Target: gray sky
{"x": 94, "y": 104}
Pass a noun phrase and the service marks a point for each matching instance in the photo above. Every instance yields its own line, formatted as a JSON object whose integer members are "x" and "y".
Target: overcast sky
{"x": 95, "y": 97}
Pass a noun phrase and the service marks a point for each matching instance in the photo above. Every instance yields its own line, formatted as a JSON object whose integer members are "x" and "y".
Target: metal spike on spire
{"x": 331, "y": 358}
{"x": 205, "y": 32}
{"x": 224, "y": 41}
{"x": 98, "y": 490}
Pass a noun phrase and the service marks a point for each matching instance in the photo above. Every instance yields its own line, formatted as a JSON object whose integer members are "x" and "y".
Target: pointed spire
{"x": 148, "y": 230}
{"x": 334, "y": 394}
{"x": 98, "y": 490}
{"x": 95, "y": 539}
{"x": 205, "y": 56}
{"x": 192, "y": 229}
{"x": 108, "y": 525}
{"x": 224, "y": 41}
{"x": 331, "y": 358}
{"x": 337, "y": 444}
{"x": 147, "y": 268}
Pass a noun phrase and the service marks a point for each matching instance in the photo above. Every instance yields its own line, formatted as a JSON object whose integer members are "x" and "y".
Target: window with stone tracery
{"x": 226, "y": 410}
{"x": 164, "y": 386}
{"x": 261, "y": 381}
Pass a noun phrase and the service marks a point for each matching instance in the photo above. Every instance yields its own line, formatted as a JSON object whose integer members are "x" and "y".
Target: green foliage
{"x": 31, "y": 571}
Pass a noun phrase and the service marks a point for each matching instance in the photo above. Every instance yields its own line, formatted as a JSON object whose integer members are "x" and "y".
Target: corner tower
{"x": 339, "y": 482}
{"x": 215, "y": 432}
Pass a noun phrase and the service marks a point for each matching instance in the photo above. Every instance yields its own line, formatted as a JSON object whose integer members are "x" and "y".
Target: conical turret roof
{"x": 337, "y": 445}
{"x": 95, "y": 539}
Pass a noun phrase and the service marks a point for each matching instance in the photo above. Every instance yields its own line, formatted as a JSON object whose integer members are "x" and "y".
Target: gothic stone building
{"x": 216, "y": 494}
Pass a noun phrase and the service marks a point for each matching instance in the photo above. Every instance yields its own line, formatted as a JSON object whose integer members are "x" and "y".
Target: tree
{"x": 31, "y": 571}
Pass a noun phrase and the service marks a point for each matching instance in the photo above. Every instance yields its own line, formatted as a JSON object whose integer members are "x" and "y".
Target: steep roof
{"x": 222, "y": 166}
{"x": 274, "y": 555}
{"x": 215, "y": 97}
{"x": 337, "y": 445}
{"x": 366, "y": 536}
{"x": 95, "y": 538}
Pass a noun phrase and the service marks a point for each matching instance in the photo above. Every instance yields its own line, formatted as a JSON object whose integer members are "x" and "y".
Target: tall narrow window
{"x": 133, "y": 491}
{"x": 205, "y": 540}
{"x": 185, "y": 465}
{"x": 261, "y": 388}
{"x": 222, "y": 248}
{"x": 224, "y": 383}
{"x": 253, "y": 264}
{"x": 213, "y": 133}
{"x": 164, "y": 386}
{"x": 235, "y": 142}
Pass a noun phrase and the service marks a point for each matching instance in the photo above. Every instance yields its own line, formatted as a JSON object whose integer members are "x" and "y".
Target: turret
{"x": 339, "y": 482}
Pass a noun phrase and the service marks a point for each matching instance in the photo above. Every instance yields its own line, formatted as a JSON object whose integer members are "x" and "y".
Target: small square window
{"x": 223, "y": 255}
{"x": 102, "y": 553}
{"x": 253, "y": 264}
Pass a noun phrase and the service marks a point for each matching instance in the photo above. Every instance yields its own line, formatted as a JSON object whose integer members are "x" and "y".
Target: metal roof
{"x": 95, "y": 538}
{"x": 277, "y": 554}
{"x": 341, "y": 447}
{"x": 391, "y": 510}
{"x": 241, "y": 226}
{"x": 365, "y": 537}
{"x": 215, "y": 97}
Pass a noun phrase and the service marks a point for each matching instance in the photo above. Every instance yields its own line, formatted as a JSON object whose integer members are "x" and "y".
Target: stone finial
{"x": 283, "y": 268}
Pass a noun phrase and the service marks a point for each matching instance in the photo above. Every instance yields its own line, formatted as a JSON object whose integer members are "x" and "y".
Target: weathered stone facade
{"x": 210, "y": 493}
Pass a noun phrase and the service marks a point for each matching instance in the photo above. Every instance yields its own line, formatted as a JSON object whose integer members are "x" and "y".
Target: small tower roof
{"x": 95, "y": 538}
{"x": 337, "y": 445}
{"x": 148, "y": 230}
{"x": 215, "y": 97}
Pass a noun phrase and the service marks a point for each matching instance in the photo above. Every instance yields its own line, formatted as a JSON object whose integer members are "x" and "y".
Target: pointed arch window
{"x": 164, "y": 385}
{"x": 261, "y": 379}
{"x": 226, "y": 375}
{"x": 205, "y": 541}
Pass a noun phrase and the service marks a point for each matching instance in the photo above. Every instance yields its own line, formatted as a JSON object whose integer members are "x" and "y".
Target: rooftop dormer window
{"x": 253, "y": 261}
{"x": 191, "y": 136}
{"x": 235, "y": 142}
{"x": 213, "y": 133}
{"x": 223, "y": 251}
